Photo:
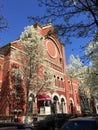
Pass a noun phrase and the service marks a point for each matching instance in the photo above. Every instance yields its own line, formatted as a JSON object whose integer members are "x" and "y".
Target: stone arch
{"x": 56, "y": 45}
{"x": 63, "y": 104}
{"x": 63, "y": 98}
{"x": 55, "y": 94}
{"x": 55, "y": 103}
{"x": 71, "y": 105}
{"x": 71, "y": 99}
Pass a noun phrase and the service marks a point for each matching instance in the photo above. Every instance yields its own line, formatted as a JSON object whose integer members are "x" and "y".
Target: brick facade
{"x": 65, "y": 96}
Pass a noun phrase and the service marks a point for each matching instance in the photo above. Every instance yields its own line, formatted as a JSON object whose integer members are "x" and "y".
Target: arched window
{"x": 71, "y": 107}
{"x": 61, "y": 83}
{"x": 62, "y": 105}
{"x": 58, "y": 81}
{"x": 54, "y": 104}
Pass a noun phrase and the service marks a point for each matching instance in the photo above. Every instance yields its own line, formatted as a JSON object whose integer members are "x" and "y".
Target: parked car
{"x": 15, "y": 126}
{"x": 50, "y": 122}
{"x": 81, "y": 123}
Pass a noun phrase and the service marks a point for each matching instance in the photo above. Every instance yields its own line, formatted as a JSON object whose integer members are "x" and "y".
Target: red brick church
{"x": 64, "y": 98}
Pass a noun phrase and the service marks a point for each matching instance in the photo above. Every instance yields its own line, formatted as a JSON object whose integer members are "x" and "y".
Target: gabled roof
{"x": 47, "y": 30}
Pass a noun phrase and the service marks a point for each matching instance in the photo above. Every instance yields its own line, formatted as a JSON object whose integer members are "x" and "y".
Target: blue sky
{"x": 16, "y": 12}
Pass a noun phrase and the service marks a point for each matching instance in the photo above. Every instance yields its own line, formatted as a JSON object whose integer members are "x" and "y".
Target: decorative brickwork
{"x": 64, "y": 98}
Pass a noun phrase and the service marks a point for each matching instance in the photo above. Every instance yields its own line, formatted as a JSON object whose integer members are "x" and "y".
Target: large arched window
{"x": 55, "y": 104}
{"x": 62, "y": 105}
{"x": 71, "y": 107}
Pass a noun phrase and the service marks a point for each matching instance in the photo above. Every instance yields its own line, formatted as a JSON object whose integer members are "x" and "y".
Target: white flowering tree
{"x": 77, "y": 70}
{"x": 37, "y": 76}
{"x": 88, "y": 75}
{"x": 92, "y": 78}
